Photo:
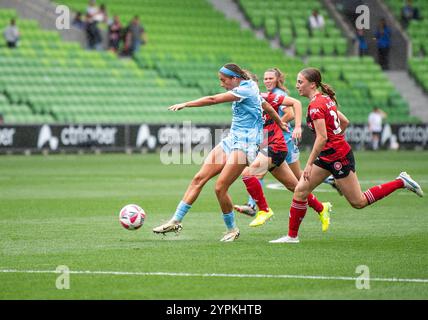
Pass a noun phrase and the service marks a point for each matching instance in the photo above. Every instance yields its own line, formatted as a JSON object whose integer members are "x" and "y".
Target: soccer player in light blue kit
{"x": 230, "y": 157}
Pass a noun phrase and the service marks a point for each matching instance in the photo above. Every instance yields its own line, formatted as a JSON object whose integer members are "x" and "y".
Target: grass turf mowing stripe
{"x": 217, "y": 275}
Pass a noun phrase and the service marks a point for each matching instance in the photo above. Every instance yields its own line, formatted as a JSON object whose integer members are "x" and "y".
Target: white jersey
{"x": 375, "y": 122}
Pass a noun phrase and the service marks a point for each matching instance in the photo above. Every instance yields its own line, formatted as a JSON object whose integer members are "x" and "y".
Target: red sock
{"x": 381, "y": 191}
{"x": 314, "y": 203}
{"x": 255, "y": 190}
{"x": 297, "y": 213}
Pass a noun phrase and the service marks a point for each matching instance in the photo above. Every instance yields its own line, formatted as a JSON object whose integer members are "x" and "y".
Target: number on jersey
{"x": 337, "y": 129}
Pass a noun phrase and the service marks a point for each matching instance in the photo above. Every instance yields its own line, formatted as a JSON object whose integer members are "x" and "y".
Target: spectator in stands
{"x": 316, "y": 21}
{"x": 375, "y": 126}
{"x": 135, "y": 36}
{"x": 408, "y": 13}
{"x": 383, "y": 42}
{"x": 114, "y": 34}
{"x": 78, "y": 21}
{"x": 102, "y": 16}
{"x": 363, "y": 47}
{"x": 92, "y": 8}
{"x": 93, "y": 33}
{"x": 11, "y": 34}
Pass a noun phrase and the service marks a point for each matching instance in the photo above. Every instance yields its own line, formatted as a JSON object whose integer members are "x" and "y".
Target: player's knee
{"x": 246, "y": 174}
{"x": 199, "y": 180}
{"x": 220, "y": 188}
{"x": 358, "y": 204}
{"x": 300, "y": 192}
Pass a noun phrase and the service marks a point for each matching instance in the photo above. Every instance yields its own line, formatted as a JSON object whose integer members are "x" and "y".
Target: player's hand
{"x": 307, "y": 172}
{"x": 177, "y": 107}
{"x": 284, "y": 127}
{"x": 297, "y": 135}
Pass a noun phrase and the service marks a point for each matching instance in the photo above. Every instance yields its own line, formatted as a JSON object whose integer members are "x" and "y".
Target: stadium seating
{"x": 361, "y": 81}
{"x": 418, "y": 33}
{"x": 289, "y": 21}
{"x": 51, "y": 81}
{"x": 179, "y": 62}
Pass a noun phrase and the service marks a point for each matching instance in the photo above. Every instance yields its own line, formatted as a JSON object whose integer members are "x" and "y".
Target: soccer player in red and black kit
{"x": 272, "y": 157}
{"x": 331, "y": 154}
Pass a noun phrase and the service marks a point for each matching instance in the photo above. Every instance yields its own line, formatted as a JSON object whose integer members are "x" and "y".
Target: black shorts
{"x": 339, "y": 168}
{"x": 278, "y": 157}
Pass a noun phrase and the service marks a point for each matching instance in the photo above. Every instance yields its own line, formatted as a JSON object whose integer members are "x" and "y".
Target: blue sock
{"x": 251, "y": 202}
{"x": 229, "y": 220}
{"x": 181, "y": 211}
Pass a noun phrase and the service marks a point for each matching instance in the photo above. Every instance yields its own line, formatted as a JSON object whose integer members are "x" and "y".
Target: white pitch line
{"x": 215, "y": 275}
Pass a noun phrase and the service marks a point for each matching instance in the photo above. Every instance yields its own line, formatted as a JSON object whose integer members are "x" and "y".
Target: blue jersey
{"x": 247, "y": 111}
{"x": 287, "y": 135}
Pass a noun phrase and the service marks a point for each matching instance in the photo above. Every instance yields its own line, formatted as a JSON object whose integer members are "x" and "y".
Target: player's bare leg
{"x": 285, "y": 175}
{"x": 296, "y": 168}
{"x": 212, "y": 166}
{"x": 351, "y": 190}
{"x": 235, "y": 164}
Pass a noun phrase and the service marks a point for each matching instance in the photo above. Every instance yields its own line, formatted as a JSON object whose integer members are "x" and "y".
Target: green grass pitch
{"x": 63, "y": 210}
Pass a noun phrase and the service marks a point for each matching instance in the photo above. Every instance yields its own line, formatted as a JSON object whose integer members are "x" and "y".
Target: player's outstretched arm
{"x": 205, "y": 101}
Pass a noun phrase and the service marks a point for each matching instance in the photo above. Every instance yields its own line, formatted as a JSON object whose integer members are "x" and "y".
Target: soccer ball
{"x": 132, "y": 217}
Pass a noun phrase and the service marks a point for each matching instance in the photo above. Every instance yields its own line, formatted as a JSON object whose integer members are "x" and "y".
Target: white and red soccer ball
{"x": 132, "y": 217}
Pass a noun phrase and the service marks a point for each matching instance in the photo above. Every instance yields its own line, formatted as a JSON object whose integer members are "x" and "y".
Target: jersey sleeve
{"x": 278, "y": 99}
{"x": 241, "y": 92}
{"x": 316, "y": 112}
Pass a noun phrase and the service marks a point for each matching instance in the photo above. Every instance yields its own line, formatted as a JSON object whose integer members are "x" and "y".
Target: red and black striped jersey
{"x": 275, "y": 135}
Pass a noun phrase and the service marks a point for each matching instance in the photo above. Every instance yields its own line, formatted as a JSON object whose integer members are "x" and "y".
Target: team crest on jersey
{"x": 337, "y": 166}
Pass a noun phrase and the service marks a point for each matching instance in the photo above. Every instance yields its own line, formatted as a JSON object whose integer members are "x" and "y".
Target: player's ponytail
{"x": 251, "y": 75}
{"x": 314, "y": 75}
{"x": 328, "y": 90}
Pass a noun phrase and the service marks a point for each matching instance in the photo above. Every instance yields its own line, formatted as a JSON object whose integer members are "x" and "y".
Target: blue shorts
{"x": 293, "y": 152}
{"x": 247, "y": 142}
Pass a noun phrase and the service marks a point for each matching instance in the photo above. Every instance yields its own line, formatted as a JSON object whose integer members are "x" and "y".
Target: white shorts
{"x": 293, "y": 153}
{"x": 246, "y": 142}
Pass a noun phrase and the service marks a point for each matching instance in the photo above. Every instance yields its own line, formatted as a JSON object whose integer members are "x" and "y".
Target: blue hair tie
{"x": 229, "y": 72}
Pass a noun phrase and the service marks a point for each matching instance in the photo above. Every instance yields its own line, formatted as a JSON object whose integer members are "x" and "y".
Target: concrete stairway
{"x": 232, "y": 11}
{"x": 414, "y": 95}
{"x": 44, "y": 12}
